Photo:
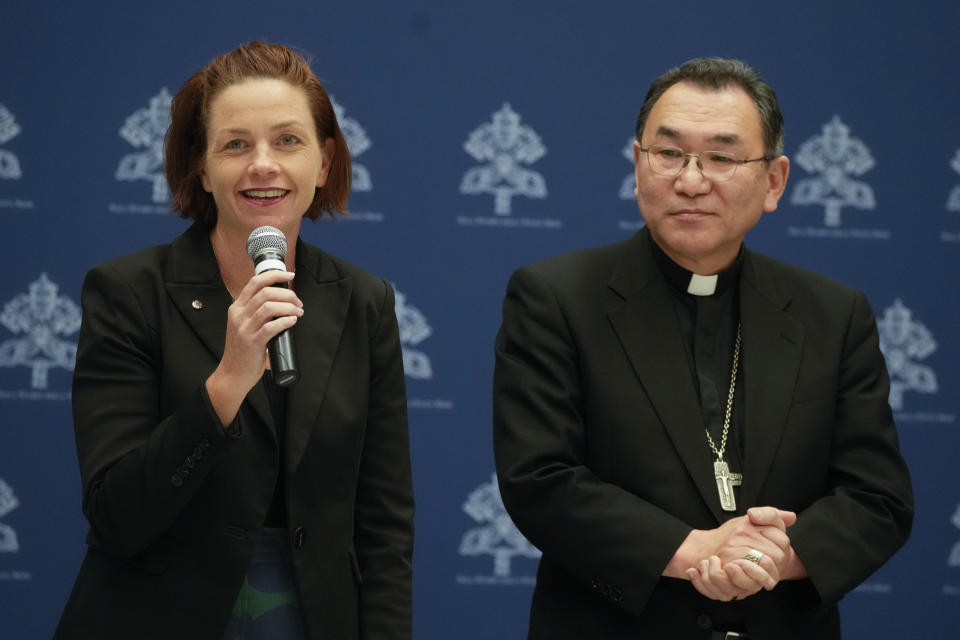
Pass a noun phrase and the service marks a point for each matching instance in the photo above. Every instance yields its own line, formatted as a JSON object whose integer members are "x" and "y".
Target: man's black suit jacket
{"x": 603, "y": 462}
{"x": 175, "y": 503}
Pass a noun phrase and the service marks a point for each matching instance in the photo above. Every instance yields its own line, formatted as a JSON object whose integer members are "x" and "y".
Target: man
{"x": 695, "y": 435}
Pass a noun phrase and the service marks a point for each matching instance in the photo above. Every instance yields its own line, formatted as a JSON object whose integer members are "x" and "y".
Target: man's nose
{"x": 692, "y": 160}
{"x": 691, "y": 180}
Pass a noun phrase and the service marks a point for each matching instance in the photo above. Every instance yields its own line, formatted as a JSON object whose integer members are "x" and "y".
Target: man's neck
{"x": 707, "y": 266}
{"x": 690, "y": 281}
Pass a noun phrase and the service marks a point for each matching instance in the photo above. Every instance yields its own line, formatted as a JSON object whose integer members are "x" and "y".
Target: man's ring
{"x": 754, "y": 556}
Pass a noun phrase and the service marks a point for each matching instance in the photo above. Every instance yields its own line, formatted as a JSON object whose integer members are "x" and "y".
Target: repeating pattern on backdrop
{"x": 903, "y": 342}
{"x": 505, "y": 146}
{"x": 39, "y": 316}
{"x": 8, "y": 502}
{"x": 145, "y": 129}
{"x": 357, "y": 143}
{"x": 953, "y": 200}
{"x": 629, "y": 183}
{"x": 9, "y": 129}
{"x": 496, "y": 536}
{"x": 413, "y": 330}
{"x": 833, "y": 157}
{"x": 953, "y": 560}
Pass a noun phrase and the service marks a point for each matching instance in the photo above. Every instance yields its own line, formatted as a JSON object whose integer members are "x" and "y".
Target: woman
{"x": 221, "y": 504}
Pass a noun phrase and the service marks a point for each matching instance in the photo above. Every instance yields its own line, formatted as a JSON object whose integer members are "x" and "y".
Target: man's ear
{"x": 777, "y": 176}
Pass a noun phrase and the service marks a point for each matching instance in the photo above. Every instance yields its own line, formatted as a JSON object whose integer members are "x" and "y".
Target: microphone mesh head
{"x": 266, "y": 239}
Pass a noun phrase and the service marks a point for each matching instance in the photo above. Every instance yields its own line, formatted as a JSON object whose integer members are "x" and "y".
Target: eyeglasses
{"x": 717, "y": 166}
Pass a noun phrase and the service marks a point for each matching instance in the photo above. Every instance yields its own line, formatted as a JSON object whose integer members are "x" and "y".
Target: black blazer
{"x": 603, "y": 462}
{"x": 175, "y": 502}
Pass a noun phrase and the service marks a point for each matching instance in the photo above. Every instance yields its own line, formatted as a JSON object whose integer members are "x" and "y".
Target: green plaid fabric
{"x": 268, "y": 607}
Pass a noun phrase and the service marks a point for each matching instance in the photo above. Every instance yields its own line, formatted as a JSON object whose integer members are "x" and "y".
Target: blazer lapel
{"x": 646, "y": 326}
{"x": 772, "y": 347}
{"x": 194, "y": 284}
{"x": 325, "y": 293}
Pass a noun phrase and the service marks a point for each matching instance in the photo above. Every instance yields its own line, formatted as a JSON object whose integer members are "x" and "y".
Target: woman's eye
{"x": 234, "y": 145}
{"x": 289, "y": 139}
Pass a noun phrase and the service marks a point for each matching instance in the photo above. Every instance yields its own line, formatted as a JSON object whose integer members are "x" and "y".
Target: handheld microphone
{"x": 267, "y": 247}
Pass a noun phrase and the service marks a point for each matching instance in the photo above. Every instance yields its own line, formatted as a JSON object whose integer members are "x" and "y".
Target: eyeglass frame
{"x": 687, "y": 157}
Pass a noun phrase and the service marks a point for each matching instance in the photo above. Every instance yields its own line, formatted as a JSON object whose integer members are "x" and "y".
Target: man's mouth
{"x": 689, "y": 213}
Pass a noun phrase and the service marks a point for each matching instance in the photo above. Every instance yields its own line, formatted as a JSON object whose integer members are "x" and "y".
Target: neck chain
{"x": 721, "y": 471}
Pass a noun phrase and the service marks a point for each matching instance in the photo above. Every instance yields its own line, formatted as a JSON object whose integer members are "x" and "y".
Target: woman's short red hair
{"x": 186, "y": 142}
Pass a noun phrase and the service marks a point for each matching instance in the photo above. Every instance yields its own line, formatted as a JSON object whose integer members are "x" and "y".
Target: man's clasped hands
{"x": 740, "y": 557}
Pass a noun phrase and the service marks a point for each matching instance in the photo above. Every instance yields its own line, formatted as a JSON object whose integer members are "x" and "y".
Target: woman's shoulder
{"x": 135, "y": 266}
{"x": 186, "y": 258}
{"x": 327, "y": 267}
{"x": 145, "y": 273}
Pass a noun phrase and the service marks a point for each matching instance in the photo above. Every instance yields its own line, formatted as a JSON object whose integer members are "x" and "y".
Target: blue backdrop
{"x": 485, "y": 136}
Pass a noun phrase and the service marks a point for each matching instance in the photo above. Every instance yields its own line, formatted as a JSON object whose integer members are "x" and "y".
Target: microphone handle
{"x": 283, "y": 359}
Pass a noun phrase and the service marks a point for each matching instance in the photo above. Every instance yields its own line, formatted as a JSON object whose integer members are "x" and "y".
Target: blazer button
{"x": 176, "y": 480}
{"x": 595, "y": 585}
{"x": 704, "y": 621}
{"x": 197, "y": 453}
{"x": 617, "y": 595}
{"x": 299, "y": 536}
{"x": 606, "y": 591}
{"x": 204, "y": 444}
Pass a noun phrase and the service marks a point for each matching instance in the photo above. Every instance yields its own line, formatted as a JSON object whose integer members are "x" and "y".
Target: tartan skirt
{"x": 268, "y": 607}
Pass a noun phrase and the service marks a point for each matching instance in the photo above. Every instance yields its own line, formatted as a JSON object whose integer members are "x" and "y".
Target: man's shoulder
{"x": 796, "y": 280}
{"x": 592, "y": 261}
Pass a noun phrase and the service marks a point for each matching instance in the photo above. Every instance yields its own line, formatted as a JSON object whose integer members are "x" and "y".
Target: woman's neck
{"x": 236, "y": 267}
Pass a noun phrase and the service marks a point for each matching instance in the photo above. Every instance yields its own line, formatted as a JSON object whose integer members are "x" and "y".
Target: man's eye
{"x": 719, "y": 158}
{"x": 670, "y": 154}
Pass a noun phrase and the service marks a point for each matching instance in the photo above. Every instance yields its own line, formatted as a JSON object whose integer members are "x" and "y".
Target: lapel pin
{"x": 196, "y": 304}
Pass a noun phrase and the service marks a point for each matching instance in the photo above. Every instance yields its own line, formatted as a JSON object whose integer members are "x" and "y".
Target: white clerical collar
{"x": 702, "y": 285}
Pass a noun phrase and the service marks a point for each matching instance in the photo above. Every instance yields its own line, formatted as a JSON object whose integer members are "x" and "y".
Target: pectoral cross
{"x": 726, "y": 481}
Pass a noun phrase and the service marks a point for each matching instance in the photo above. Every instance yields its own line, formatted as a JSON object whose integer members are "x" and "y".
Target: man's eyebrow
{"x": 667, "y": 132}
{"x": 726, "y": 138}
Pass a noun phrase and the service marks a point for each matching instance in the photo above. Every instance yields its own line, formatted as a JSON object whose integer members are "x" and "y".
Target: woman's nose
{"x": 263, "y": 160}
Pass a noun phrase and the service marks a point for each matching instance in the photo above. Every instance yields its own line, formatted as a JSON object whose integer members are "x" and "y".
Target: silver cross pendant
{"x": 726, "y": 481}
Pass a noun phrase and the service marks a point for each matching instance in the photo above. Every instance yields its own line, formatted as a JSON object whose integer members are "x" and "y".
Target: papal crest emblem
{"x": 629, "y": 182}
{"x": 953, "y": 200}
{"x": 504, "y": 146}
{"x": 9, "y": 129}
{"x": 8, "y": 502}
{"x": 145, "y": 130}
{"x": 905, "y": 341}
{"x": 42, "y": 318}
{"x": 357, "y": 143}
{"x": 413, "y": 330}
{"x": 834, "y": 157}
{"x": 496, "y": 536}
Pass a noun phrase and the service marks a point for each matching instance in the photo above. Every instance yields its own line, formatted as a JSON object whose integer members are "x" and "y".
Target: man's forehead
{"x": 725, "y": 116}
{"x": 728, "y": 138}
